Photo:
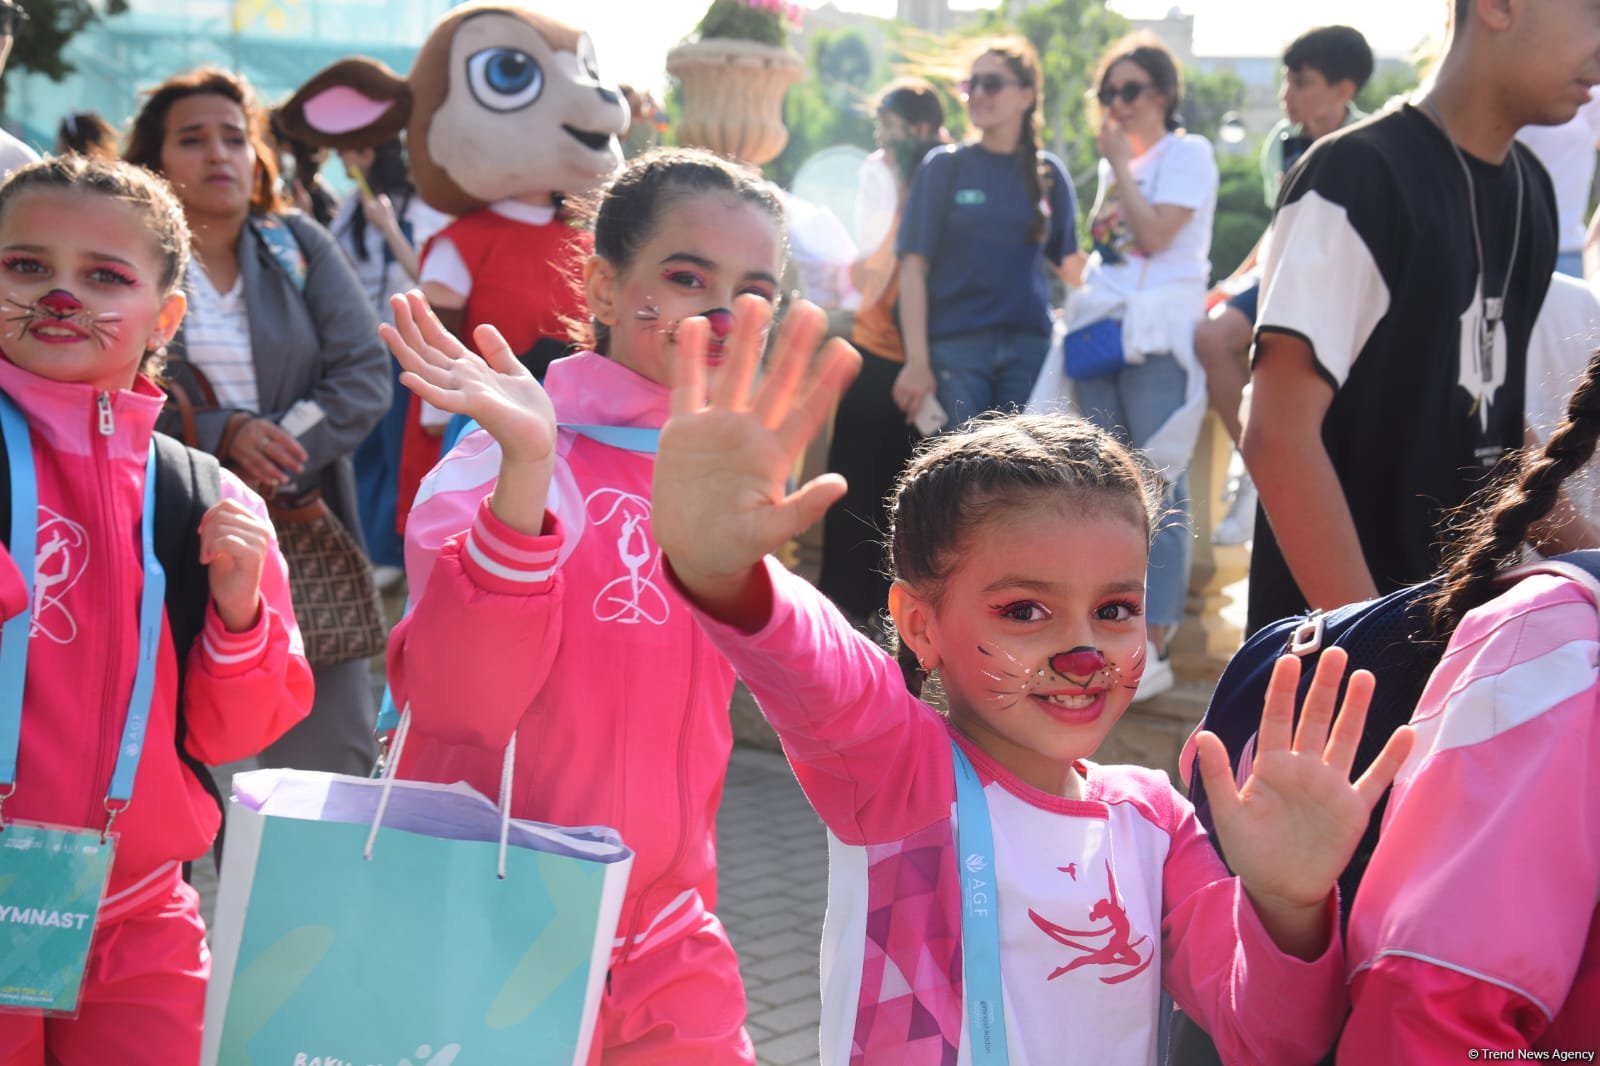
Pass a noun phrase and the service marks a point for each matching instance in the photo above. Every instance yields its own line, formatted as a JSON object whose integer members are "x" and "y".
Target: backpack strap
{"x": 188, "y": 484}
{"x": 277, "y": 235}
{"x": 1580, "y": 566}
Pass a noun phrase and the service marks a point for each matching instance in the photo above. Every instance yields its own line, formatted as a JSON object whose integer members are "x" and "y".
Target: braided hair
{"x": 1496, "y": 521}
{"x": 1019, "y": 55}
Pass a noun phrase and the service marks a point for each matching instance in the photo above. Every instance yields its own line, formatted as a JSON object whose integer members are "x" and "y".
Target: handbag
{"x": 1095, "y": 350}
{"x": 390, "y": 921}
{"x": 335, "y": 598}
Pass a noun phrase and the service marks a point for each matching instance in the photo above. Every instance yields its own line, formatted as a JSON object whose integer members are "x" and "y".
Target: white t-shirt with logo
{"x": 1179, "y": 169}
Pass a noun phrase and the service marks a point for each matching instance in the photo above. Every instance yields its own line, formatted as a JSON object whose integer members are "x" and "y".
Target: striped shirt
{"x": 217, "y": 338}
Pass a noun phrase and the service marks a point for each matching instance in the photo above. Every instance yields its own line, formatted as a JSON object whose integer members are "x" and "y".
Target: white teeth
{"x": 1074, "y": 702}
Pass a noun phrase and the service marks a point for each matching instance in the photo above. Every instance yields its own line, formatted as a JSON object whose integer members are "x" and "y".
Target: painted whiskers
{"x": 61, "y": 307}
{"x": 1082, "y": 666}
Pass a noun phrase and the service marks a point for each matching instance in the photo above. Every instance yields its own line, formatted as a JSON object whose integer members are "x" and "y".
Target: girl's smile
{"x": 1038, "y": 634}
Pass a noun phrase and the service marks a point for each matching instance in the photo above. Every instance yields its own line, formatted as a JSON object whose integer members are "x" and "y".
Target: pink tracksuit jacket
{"x": 1475, "y": 926}
{"x": 574, "y": 641}
{"x": 143, "y": 998}
{"x": 242, "y": 691}
{"x": 1103, "y": 902}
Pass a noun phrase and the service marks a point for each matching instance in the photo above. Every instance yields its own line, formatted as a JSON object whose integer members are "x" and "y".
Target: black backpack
{"x": 188, "y": 484}
{"x": 1389, "y": 636}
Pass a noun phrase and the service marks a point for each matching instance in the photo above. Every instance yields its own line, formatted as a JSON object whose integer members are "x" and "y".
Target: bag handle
{"x": 386, "y": 788}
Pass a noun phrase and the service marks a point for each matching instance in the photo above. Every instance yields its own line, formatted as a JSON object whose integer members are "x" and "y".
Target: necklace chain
{"x": 1491, "y": 310}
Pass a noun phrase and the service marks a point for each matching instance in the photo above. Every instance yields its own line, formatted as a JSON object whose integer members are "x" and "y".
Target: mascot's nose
{"x": 609, "y": 96}
{"x": 1079, "y": 662}
{"x": 60, "y": 303}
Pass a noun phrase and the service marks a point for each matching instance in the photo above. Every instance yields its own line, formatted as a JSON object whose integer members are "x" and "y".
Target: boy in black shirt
{"x": 1408, "y": 259}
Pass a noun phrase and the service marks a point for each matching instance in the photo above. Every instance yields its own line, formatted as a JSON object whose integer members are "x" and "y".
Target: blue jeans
{"x": 1131, "y": 405}
{"x": 987, "y": 370}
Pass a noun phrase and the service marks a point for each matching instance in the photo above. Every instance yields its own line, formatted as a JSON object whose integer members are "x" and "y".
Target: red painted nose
{"x": 721, "y": 323}
{"x": 60, "y": 303}
{"x": 1079, "y": 662}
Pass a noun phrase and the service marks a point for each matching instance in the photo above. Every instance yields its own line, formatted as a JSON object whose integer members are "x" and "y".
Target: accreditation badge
{"x": 52, "y": 881}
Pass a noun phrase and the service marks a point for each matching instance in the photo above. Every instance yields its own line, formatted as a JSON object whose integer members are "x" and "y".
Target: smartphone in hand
{"x": 930, "y": 417}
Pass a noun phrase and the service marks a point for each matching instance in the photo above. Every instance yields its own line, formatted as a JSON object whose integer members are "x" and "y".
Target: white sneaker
{"x": 1238, "y": 526}
{"x": 1158, "y": 677}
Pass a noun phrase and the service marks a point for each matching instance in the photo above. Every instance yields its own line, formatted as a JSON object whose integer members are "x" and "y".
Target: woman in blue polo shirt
{"x": 979, "y": 222}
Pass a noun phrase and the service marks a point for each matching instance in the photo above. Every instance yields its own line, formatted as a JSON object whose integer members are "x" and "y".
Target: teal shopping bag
{"x": 421, "y": 955}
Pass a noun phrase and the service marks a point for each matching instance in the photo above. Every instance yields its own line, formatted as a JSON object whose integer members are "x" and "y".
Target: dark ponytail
{"x": 1497, "y": 520}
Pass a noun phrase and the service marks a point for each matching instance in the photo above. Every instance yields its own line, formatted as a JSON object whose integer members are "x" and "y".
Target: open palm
{"x": 720, "y": 496}
{"x": 495, "y": 389}
{"x": 1290, "y": 831}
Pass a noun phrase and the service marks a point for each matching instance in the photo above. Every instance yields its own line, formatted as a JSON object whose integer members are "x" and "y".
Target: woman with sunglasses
{"x": 980, "y": 220}
{"x": 1151, "y": 227}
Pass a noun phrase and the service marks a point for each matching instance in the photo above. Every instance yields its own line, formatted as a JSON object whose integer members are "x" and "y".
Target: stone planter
{"x": 733, "y": 96}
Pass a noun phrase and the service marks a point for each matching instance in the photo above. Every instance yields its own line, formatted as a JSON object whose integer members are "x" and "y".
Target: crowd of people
{"x": 592, "y": 562}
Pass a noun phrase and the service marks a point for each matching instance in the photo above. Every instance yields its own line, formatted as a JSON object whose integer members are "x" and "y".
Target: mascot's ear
{"x": 356, "y": 103}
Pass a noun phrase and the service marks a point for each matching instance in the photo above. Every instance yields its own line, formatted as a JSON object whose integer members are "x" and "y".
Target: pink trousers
{"x": 144, "y": 996}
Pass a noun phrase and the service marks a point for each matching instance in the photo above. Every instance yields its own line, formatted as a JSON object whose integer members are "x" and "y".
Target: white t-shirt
{"x": 380, "y": 273}
{"x": 1178, "y": 170}
{"x": 1568, "y": 153}
{"x": 216, "y": 336}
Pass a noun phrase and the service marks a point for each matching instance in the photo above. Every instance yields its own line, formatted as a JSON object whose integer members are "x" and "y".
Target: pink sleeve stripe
{"x": 513, "y": 547}
{"x": 225, "y": 648}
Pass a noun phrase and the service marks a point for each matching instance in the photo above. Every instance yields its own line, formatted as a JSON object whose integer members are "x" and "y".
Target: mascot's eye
{"x": 504, "y": 79}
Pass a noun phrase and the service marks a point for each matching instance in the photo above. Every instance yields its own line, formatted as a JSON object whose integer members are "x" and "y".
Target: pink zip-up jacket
{"x": 242, "y": 690}
{"x": 1103, "y": 902}
{"x": 1475, "y": 926}
{"x": 574, "y": 641}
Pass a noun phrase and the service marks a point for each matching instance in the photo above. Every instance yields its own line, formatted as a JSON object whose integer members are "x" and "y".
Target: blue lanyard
{"x": 980, "y": 917}
{"x": 628, "y": 438}
{"x": 14, "y": 635}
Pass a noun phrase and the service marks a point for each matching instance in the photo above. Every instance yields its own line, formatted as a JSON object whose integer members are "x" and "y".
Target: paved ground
{"x": 773, "y": 876}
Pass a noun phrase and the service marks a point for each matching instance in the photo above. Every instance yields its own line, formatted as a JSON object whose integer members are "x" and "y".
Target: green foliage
{"x": 1384, "y": 85}
{"x": 747, "y": 20}
{"x": 1208, "y": 97}
{"x": 1070, "y": 36}
{"x": 43, "y": 35}
{"x": 1242, "y": 212}
{"x": 832, "y": 107}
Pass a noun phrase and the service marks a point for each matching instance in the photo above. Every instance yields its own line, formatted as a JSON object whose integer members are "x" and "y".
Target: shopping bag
{"x": 400, "y": 923}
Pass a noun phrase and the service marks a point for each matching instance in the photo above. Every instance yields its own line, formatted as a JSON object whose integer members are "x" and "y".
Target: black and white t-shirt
{"x": 1371, "y": 262}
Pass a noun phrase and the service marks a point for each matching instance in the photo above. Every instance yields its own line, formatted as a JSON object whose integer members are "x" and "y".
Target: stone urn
{"x": 733, "y": 96}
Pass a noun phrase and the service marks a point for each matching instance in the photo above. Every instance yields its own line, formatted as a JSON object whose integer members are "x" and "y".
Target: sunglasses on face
{"x": 991, "y": 84}
{"x": 10, "y": 16}
{"x": 1127, "y": 92}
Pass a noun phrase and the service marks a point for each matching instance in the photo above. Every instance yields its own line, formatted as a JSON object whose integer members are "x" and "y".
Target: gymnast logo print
{"x": 58, "y": 565}
{"x": 633, "y": 597}
{"x": 1109, "y": 944}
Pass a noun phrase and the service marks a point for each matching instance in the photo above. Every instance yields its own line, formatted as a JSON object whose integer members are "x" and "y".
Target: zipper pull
{"x": 108, "y": 424}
